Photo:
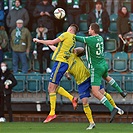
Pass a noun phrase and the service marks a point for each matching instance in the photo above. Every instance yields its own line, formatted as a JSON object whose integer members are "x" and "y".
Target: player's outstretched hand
{"x": 35, "y": 40}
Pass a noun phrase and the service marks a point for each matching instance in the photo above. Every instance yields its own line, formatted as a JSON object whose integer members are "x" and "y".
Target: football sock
{"x": 113, "y": 83}
{"x": 88, "y": 113}
{"x": 106, "y": 103}
{"x": 52, "y": 103}
{"x": 64, "y": 93}
{"x": 110, "y": 99}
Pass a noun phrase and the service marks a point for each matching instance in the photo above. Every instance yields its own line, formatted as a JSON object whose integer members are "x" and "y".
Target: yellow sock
{"x": 88, "y": 113}
{"x": 52, "y": 103}
{"x": 64, "y": 93}
{"x": 110, "y": 99}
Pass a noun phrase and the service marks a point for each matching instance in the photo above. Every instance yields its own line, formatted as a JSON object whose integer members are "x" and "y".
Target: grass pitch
{"x": 34, "y": 127}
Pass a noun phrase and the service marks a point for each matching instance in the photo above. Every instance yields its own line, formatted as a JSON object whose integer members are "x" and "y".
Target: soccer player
{"x": 66, "y": 43}
{"x": 98, "y": 66}
{"x": 82, "y": 76}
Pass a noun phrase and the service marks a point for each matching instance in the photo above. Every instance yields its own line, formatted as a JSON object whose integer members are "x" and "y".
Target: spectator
{"x": 20, "y": 44}
{"x": 42, "y": 50}
{"x": 74, "y": 9}
{"x": 123, "y": 26}
{"x": 109, "y": 6}
{"x": 3, "y": 42}
{"x": 131, "y": 6}
{"x": 100, "y": 16}
{"x": 44, "y": 14}
{"x": 30, "y": 6}
{"x": 18, "y": 12}
{"x": 7, "y": 82}
{"x": 2, "y": 14}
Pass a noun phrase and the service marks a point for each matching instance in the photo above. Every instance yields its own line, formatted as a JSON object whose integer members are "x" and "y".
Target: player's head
{"x": 73, "y": 28}
{"x": 94, "y": 29}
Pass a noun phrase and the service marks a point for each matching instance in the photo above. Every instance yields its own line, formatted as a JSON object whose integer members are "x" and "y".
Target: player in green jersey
{"x": 98, "y": 66}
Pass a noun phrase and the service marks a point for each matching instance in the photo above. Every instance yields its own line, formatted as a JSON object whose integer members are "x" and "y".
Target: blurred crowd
{"x": 20, "y": 18}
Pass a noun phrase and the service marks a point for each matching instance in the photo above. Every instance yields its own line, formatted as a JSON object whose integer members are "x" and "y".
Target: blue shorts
{"x": 58, "y": 70}
{"x": 84, "y": 88}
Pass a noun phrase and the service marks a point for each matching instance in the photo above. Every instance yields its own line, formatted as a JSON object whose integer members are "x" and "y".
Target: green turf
{"x": 29, "y": 127}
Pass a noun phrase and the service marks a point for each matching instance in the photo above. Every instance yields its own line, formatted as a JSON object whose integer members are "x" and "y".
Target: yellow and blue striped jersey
{"x": 78, "y": 69}
{"x": 65, "y": 47}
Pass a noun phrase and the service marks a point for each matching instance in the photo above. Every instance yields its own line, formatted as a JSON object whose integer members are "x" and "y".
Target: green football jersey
{"x": 95, "y": 49}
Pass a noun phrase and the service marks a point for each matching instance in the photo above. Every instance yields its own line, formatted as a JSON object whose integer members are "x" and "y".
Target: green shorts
{"x": 97, "y": 73}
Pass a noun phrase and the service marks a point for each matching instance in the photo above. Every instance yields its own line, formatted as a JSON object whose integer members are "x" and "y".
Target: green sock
{"x": 106, "y": 103}
{"x": 113, "y": 83}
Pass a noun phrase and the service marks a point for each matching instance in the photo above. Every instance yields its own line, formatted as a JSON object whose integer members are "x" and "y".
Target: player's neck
{"x": 95, "y": 34}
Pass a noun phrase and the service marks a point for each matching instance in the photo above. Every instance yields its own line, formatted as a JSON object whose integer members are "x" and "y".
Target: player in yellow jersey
{"x": 82, "y": 77}
{"x": 66, "y": 43}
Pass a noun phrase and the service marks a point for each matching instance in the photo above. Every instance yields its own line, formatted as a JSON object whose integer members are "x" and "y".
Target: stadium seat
{"x": 108, "y": 58}
{"x": 113, "y": 17}
{"x": 34, "y": 82}
{"x": 80, "y": 34}
{"x": 131, "y": 17}
{"x": 113, "y": 24}
{"x": 8, "y": 59}
{"x": 128, "y": 82}
{"x": 113, "y": 27}
{"x": 132, "y": 26}
{"x": 83, "y": 17}
{"x": 118, "y": 78}
{"x": 21, "y": 83}
{"x": 120, "y": 60}
{"x": 80, "y": 44}
{"x": 83, "y": 26}
{"x": 131, "y": 62}
{"x": 110, "y": 45}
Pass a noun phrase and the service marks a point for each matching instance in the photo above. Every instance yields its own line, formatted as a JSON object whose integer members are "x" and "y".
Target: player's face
{"x": 90, "y": 31}
{"x": 69, "y": 29}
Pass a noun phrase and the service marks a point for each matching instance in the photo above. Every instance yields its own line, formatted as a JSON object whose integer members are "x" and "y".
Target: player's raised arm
{"x": 47, "y": 42}
{"x": 52, "y": 47}
{"x": 80, "y": 39}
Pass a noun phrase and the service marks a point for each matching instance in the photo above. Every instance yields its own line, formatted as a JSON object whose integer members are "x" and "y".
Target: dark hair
{"x": 4, "y": 63}
{"x": 41, "y": 25}
{"x": 76, "y": 28}
{"x": 99, "y": 2}
{"x": 95, "y": 27}
{"x": 121, "y": 13}
{"x": 19, "y": 1}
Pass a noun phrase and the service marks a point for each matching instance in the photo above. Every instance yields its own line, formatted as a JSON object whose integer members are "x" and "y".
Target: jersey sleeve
{"x": 80, "y": 39}
{"x": 63, "y": 36}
